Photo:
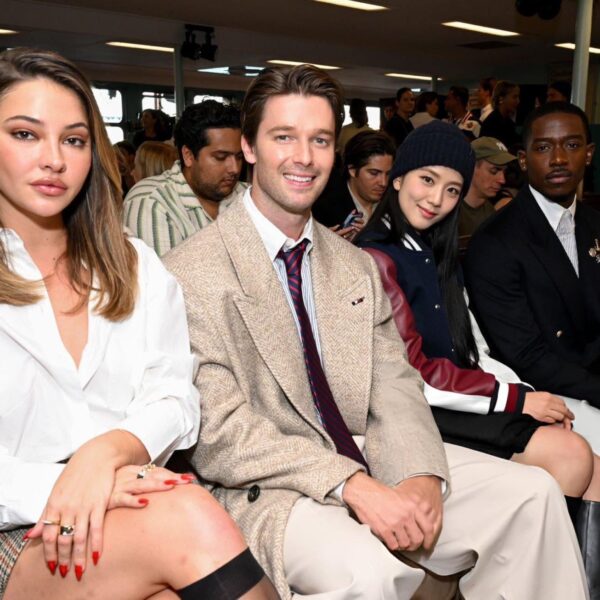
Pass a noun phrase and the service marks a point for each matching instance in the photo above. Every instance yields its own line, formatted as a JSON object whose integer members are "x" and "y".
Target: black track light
{"x": 194, "y": 51}
{"x": 545, "y": 9}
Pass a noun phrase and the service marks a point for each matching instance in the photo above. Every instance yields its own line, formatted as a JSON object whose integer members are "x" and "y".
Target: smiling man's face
{"x": 556, "y": 156}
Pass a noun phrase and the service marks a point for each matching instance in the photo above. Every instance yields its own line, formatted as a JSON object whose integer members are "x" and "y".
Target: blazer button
{"x": 253, "y": 493}
{"x": 559, "y": 333}
{"x": 437, "y": 307}
{"x": 427, "y": 261}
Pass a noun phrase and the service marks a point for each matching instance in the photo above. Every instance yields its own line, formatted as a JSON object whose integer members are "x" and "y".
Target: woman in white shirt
{"x": 95, "y": 375}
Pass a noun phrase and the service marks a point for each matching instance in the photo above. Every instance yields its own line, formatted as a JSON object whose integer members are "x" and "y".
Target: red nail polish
{"x": 52, "y": 566}
{"x": 171, "y": 482}
{"x": 26, "y": 536}
{"x": 187, "y": 477}
{"x": 95, "y": 557}
{"x": 78, "y": 572}
{"x": 143, "y": 501}
{"x": 63, "y": 570}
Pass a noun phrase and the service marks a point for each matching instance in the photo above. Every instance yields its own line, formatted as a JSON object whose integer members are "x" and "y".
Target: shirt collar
{"x": 10, "y": 239}
{"x": 19, "y": 260}
{"x": 486, "y": 111}
{"x": 273, "y": 238}
{"x": 552, "y": 211}
{"x": 357, "y": 204}
{"x": 184, "y": 191}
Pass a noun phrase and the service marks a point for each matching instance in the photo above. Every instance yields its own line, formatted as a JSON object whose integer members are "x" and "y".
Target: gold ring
{"x": 67, "y": 530}
{"x": 144, "y": 470}
{"x": 48, "y": 522}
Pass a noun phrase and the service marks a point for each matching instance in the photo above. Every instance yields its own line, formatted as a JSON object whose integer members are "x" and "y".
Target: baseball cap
{"x": 492, "y": 150}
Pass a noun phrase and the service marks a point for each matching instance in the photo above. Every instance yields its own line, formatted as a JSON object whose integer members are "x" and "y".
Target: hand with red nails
{"x": 128, "y": 486}
{"x": 97, "y": 478}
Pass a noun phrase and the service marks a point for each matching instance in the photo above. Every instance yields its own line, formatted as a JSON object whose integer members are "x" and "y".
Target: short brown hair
{"x": 304, "y": 80}
{"x": 97, "y": 250}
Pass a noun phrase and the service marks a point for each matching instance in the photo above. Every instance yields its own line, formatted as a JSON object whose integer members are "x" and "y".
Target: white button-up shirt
{"x": 135, "y": 375}
{"x": 552, "y": 210}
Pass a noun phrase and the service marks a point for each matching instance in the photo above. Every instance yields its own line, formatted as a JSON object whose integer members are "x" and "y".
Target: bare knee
{"x": 577, "y": 459}
{"x": 565, "y": 455}
{"x": 201, "y": 522}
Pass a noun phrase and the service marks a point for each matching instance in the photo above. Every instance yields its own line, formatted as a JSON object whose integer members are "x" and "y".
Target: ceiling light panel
{"x": 480, "y": 28}
{"x": 293, "y": 63}
{"x": 409, "y": 76}
{"x": 569, "y": 46}
{"x": 354, "y": 4}
{"x": 141, "y": 46}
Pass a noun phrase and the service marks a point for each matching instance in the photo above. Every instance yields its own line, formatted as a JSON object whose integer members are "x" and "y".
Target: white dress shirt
{"x": 275, "y": 240}
{"x": 552, "y": 210}
{"x": 134, "y": 375}
{"x": 554, "y": 214}
{"x": 486, "y": 111}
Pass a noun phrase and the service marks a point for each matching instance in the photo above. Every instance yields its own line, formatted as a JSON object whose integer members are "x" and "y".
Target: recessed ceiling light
{"x": 408, "y": 76}
{"x": 355, "y": 4}
{"x": 293, "y": 63}
{"x": 570, "y": 46}
{"x": 216, "y": 70}
{"x": 141, "y": 46}
{"x": 246, "y": 71}
{"x": 7, "y": 31}
{"x": 480, "y": 28}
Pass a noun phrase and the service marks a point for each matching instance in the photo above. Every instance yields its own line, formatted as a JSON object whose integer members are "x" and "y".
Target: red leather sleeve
{"x": 439, "y": 373}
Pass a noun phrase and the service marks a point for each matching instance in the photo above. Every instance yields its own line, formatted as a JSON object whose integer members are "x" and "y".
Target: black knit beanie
{"x": 436, "y": 144}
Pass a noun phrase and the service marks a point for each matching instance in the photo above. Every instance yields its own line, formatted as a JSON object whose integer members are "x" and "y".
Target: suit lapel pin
{"x": 361, "y": 299}
{"x": 595, "y": 251}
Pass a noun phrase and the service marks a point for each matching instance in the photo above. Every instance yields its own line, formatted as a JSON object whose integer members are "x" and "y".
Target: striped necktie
{"x": 321, "y": 392}
{"x": 566, "y": 234}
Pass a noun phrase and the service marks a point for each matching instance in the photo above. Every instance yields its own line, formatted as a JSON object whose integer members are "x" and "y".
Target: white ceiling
{"x": 409, "y": 38}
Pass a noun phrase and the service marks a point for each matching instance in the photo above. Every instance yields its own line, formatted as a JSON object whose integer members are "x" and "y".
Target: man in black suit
{"x": 368, "y": 159}
{"x": 533, "y": 275}
{"x": 534, "y": 286}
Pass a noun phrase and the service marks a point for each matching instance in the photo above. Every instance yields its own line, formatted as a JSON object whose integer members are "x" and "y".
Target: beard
{"x": 215, "y": 192}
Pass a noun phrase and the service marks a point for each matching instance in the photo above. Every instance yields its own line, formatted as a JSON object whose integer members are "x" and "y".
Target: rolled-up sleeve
{"x": 24, "y": 489}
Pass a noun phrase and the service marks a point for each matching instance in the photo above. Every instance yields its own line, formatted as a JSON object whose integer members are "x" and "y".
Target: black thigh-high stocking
{"x": 573, "y": 506}
{"x": 241, "y": 577}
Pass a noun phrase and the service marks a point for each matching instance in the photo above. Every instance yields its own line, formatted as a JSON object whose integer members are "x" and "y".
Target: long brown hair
{"x": 97, "y": 250}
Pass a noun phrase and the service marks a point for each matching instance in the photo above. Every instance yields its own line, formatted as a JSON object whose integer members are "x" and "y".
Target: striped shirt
{"x": 163, "y": 210}
{"x": 275, "y": 240}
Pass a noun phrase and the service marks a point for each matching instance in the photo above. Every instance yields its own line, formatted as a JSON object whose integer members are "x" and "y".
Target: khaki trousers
{"x": 506, "y": 522}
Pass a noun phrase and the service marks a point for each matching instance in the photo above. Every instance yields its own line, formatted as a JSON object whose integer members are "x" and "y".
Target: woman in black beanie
{"x": 413, "y": 237}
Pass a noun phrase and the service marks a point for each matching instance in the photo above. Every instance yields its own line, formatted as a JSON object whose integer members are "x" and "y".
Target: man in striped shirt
{"x": 166, "y": 209}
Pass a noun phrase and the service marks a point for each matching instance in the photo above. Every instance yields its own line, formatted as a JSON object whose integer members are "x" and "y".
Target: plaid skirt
{"x": 11, "y": 544}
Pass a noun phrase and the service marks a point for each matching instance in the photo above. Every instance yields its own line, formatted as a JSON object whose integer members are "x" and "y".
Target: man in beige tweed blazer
{"x": 321, "y": 526}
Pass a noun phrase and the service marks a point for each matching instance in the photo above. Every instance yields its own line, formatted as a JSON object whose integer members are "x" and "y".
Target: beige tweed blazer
{"x": 259, "y": 425}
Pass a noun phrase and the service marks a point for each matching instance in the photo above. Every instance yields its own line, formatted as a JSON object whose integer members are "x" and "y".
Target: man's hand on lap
{"x": 405, "y": 517}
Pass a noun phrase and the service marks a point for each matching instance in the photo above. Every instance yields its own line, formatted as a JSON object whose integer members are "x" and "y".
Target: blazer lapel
{"x": 265, "y": 311}
{"x": 344, "y": 306}
{"x": 545, "y": 244}
{"x": 589, "y": 269}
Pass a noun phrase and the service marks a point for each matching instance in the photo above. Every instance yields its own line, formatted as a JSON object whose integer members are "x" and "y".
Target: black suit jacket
{"x": 536, "y": 314}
